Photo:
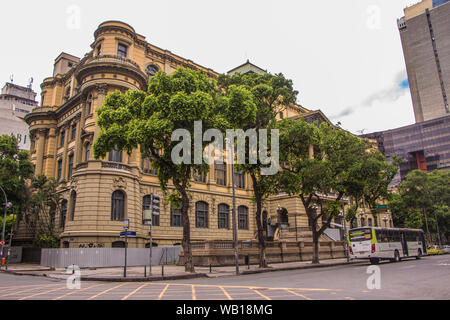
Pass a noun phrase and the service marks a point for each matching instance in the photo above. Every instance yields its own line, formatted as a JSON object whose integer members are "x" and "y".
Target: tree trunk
{"x": 261, "y": 240}
{"x": 426, "y": 225}
{"x": 316, "y": 236}
{"x": 186, "y": 243}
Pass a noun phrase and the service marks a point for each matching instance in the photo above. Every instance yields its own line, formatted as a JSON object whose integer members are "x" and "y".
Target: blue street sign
{"x": 129, "y": 235}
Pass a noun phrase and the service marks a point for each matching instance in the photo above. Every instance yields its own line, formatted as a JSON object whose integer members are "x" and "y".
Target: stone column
{"x": 102, "y": 90}
{"x": 40, "y": 151}
{"x": 78, "y": 141}
{"x": 66, "y": 143}
{"x": 311, "y": 151}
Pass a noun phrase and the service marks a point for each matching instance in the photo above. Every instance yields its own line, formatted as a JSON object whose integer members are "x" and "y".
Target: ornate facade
{"x": 100, "y": 194}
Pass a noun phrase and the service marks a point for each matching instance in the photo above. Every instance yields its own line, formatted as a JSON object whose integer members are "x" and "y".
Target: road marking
{"x": 298, "y": 294}
{"x": 193, "y": 293}
{"x": 76, "y": 291}
{"x": 41, "y": 293}
{"x": 251, "y": 287}
{"x": 226, "y": 293}
{"x": 126, "y": 297}
{"x": 35, "y": 288}
{"x": 162, "y": 292}
{"x": 108, "y": 290}
{"x": 265, "y": 297}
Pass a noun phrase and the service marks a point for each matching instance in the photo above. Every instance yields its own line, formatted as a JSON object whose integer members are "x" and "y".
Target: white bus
{"x": 392, "y": 244}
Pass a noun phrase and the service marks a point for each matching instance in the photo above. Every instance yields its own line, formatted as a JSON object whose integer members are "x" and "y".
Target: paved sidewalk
{"x": 169, "y": 272}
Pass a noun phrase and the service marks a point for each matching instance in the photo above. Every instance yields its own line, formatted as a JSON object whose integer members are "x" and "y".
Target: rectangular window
{"x": 175, "y": 218}
{"x": 73, "y": 132}
{"x": 147, "y": 167}
{"x": 199, "y": 177}
{"x": 115, "y": 156}
{"x": 99, "y": 50}
{"x": 122, "y": 50}
{"x": 221, "y": 174}
{"x": 89, "y": 107}
{"x": 239, "y": 179}
{"x": 62, "y": 138}
{"x": 59, "y": 170}
{"x": 70, "y": 166}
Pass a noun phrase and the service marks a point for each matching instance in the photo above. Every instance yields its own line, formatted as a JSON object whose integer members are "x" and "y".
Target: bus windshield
{"x": 360, "y": 234}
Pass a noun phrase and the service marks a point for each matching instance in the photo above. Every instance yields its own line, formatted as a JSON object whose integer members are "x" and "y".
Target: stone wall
{"x": 221, "y": 253}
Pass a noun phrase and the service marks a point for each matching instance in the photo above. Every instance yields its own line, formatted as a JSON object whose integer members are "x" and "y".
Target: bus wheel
{"x": 374, "y": 261}
{"x": 419, "y": 255}
{"x": 396, "y": 256}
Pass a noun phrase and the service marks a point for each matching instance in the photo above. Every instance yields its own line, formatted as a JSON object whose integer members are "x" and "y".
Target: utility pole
{"x": 235, "y": 237}
{"x": 437, "y": 229}
{"x": 345, "y": 232}
{"x": 4, "y": 225}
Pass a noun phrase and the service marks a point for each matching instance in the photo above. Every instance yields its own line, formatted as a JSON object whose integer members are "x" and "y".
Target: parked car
{"x": 446, "y": 249}
{"x": 435, "y": 250}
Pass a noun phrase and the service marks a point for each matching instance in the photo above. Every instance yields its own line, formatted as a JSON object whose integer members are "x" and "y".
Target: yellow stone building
{"x": 100, "y": 194}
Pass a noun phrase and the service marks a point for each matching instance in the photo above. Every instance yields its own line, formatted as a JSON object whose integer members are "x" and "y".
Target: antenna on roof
{"x": 11, "y": 77}
{"x": 30, "y": 83}
{"x": 361, "y": 131}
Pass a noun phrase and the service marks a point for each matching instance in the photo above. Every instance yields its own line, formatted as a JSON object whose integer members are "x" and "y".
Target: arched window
{"x": 115, "y": 156}
{"x": 87, "y": 152}
{"x": 62, "y": 223}
{"x": 175, "y": 217}
{"x": 147, "y": 205}
{"x": 243, "y": 217}
{"x": 201, "y": 215}
{"x": 223, "y": 216}
{"x": 73, "y": 200}
{"x": 152, "y": 70}
{"x": 118, "y": 206}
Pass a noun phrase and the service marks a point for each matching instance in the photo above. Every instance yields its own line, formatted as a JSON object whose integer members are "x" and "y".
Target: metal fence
{"x": 108, "y": 257}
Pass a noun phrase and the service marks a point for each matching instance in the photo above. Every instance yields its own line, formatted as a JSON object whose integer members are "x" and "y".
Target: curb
{"x": 310, "y": 266}
{"x": 142, "y": 279}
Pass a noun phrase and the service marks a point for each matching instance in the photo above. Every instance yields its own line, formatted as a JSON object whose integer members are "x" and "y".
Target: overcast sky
{"x": 345, "y": 57}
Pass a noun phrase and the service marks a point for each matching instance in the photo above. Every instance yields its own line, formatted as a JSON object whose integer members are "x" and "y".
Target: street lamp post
{"x": 385, "y": 219}
{"x": 437, "y": 229}
{"x": 235, "y": 235}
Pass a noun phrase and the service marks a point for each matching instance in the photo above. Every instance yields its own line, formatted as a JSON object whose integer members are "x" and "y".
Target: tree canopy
{"x": 421, "y": 199}
{"x": 148, "y": 120}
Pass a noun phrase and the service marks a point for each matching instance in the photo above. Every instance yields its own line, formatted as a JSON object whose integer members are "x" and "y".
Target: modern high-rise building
{"x": 15, "y": 103}
{"x": 425, "y": 36}
{"x": 425, "y": 145}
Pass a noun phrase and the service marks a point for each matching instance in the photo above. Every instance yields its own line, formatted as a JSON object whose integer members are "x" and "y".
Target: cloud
{"x": 399, "y": 87}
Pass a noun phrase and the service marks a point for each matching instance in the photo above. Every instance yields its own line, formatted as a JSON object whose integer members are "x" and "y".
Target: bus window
{"x": 360, "y": 234}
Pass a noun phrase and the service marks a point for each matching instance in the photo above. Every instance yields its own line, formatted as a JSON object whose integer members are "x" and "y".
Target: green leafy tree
{"x": 270, "y": 94}
{"x": 313, "y": 178}
{"x": 15, "y": 169}
{"x": 423, "y": 201}
{"x": 148, "y": 119}
{"x": 43, "y": 205}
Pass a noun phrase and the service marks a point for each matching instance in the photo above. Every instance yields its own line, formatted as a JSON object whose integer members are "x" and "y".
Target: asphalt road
{"x": 425, "y": 279}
